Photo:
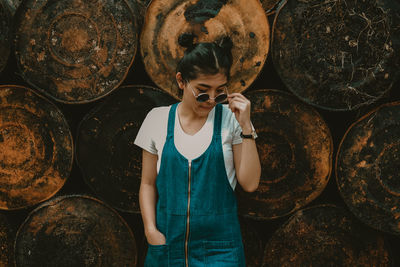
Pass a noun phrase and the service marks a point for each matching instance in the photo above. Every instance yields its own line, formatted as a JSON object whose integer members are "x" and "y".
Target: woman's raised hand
{"x": 240, "y": 106}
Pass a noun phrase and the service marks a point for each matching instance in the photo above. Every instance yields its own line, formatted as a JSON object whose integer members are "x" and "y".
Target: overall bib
{"x": 196, "y": 208}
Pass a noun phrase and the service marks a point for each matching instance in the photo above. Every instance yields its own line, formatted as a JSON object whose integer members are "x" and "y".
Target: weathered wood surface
{"x": 295, "y": 148}
{"x": 75, "y": 231}
{"x": 109, "y": 161}
{"x": 367, "y": 168}
{"x": 326, "y": 236}
{"x": 75, "y": 51}
{"x": 36, "y": 148}
{"x": 244, "y": 21}
{"x": 339, "y": 54}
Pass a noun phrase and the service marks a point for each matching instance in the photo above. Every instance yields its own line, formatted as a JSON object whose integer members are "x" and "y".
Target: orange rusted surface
{"x": 109, "y": 161}
{"x": 5, "y": 34}
{"x": 295, "y": 148}
{"x": 367, "y": 168}
{"x": 244, "y": 21}
{"x": 75, "y": 51}
{"x": 75, "y": 231}
{"x": 337, "y": 55}
{"x": 36, "y": 148}
{"x": 7, "y": 236}
{"x": 326, "y": 235}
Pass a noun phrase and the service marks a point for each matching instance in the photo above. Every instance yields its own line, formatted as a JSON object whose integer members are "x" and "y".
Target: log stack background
{"x": 306, "y": 231}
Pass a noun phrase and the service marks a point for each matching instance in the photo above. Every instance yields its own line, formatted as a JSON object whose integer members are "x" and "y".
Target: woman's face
{"x": 211, "y": 84}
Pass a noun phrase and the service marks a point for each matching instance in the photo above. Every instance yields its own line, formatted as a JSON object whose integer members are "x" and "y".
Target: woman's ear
{"x": 179, "y": 80}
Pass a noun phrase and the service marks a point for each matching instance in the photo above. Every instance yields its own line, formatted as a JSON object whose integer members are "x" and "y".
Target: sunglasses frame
{"x": 209, "y": 98}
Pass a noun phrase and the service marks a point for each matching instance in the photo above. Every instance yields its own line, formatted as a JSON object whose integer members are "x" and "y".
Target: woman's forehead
{"x": 210, "y": 80}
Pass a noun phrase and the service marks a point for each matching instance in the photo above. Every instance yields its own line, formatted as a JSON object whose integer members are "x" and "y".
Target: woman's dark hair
{"x": 204, "y": 58}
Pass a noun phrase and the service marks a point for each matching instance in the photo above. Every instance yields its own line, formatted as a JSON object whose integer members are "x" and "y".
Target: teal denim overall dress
{"x": 196, "y": 208}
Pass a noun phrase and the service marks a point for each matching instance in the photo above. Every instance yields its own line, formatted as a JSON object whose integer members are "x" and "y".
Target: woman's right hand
{"x": 155, "y": 237}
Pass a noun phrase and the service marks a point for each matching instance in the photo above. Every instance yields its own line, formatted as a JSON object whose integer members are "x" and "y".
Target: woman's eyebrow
{"x": 208, "y": 86}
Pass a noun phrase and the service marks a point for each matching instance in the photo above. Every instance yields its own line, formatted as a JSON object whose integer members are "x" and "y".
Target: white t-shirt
{"x": 153, "y": 132}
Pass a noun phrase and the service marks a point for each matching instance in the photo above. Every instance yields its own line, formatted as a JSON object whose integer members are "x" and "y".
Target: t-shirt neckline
{"x": 210, "y": 118}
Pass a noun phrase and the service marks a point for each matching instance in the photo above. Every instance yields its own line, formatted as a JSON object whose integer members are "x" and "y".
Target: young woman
{"x": 194, "y": 153}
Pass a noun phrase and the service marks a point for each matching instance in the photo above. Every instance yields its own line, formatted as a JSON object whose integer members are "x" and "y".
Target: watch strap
{"x": 247, "y": 135}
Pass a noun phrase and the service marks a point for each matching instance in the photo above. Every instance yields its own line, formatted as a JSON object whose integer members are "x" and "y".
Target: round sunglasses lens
{"x": 202, "y": 97}
{"x": 220, "y": 98}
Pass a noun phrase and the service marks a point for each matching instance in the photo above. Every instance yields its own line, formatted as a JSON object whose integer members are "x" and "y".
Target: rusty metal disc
{"x": 75, "y": 231}
{"x": 367, "y": 168}
{"x": 36, "y": 148}
{"x": 295, "y": 148}
{"x": 338, "y": 55}
{"x": 75, "y": 51}
{"x": 244, "y": 21}
{"x": 7, "y": 236}
{"x": 5, "y": 34}
{"x": 109, "y": 161}
{"x": 326, "y": 236}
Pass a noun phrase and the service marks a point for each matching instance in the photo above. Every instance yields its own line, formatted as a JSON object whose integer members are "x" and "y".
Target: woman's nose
{"x": 212, "y": 96}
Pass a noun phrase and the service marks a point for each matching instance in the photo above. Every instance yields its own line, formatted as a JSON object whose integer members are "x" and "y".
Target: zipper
{"x": 187, "y": 218}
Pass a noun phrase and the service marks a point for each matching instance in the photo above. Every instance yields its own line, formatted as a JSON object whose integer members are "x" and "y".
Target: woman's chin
{"x": 205, "y": 109}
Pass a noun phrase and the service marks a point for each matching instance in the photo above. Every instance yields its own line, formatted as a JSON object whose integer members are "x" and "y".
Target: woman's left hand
{"x": 240, "y": 106}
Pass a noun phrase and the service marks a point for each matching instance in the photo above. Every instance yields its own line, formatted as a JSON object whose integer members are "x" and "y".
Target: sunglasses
{"x": 203, "y": 97}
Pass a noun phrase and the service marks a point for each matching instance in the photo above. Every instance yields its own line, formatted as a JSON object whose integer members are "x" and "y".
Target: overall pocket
{"x": 157, "y": 256}
{"x": 221, "y": 253}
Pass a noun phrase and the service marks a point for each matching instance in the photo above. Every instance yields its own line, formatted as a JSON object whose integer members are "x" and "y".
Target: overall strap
{"x": 171, "y": 120}
{"x": 217, "y": 121}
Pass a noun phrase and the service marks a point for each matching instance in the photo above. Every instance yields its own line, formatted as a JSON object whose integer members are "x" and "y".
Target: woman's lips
{"x": 208, "y": 108}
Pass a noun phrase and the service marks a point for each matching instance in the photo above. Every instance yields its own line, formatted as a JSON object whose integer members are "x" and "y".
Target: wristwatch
{"x": 252, "y": 135}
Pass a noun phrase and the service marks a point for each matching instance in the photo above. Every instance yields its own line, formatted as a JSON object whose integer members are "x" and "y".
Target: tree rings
{"x": 36, "y": 148}
{"x": 244, "y": 21}
{"x": 75, "y": 51}
{"x": 295, "y": 148}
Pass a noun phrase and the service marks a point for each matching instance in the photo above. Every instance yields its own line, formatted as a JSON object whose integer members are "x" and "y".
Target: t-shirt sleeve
{"x": 237, "y": 130}
{"x": 144, "y": 137}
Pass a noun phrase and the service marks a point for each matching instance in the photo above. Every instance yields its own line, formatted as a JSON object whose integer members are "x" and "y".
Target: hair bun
{"x": 226, "y": 43}
{"x": 186, "y": 40}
